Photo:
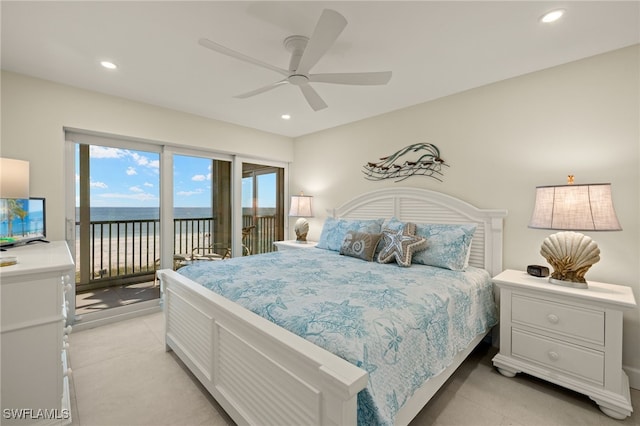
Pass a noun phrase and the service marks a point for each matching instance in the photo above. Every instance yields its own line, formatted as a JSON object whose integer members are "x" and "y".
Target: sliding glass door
{"x": 202, "y": 209}
{"x": 133, "y": 207}
{"x": 117, "y": 234}
{"x": 262, "y": 207}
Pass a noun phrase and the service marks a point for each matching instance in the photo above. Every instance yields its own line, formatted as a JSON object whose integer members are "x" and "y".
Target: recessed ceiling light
{"x": 109, "y": 65}
{"x": 285, "y": 116}
{"x": 552, "y": 16}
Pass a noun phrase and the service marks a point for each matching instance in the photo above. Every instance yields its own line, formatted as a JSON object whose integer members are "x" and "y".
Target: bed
{"x": 262, "y": 373}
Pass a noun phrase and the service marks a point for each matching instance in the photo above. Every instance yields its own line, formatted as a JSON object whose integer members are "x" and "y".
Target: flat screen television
{"x": 22, "y": 221}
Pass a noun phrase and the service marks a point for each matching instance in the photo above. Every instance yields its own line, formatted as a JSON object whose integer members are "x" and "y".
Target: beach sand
{"x": 143, "y": 254}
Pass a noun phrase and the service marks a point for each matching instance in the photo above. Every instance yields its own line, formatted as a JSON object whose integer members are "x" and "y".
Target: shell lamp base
{"x": 568, "y": 283}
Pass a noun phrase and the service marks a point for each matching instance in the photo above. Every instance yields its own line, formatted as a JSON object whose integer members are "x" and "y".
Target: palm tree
{"x": 10, "y": 209}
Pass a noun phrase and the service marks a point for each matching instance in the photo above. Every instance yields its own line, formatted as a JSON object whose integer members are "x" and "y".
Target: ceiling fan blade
{"x": 312, "y": 97}
{"x": 261, "y": 89}
{"x": 355, "y": 78}
{"x": 327, "y": 30}
{"x": 229, "y": 52}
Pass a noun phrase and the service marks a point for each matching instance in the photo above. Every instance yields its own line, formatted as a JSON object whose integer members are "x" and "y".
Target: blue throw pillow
{"x": 334, "y": 231}
{"x": 448, "y": 245}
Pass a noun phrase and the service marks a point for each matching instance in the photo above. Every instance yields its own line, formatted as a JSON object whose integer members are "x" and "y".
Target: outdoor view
{"x": 128, "y": 181}
{"x": 117, "y": 221}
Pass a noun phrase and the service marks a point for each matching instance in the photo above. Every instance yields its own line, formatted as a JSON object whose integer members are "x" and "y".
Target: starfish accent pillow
{"x": 400, "y": 245}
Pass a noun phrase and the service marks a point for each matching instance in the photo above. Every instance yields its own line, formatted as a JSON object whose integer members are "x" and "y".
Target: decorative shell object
{"x": 571, "y": 254}
{"x": 301, "y": 229}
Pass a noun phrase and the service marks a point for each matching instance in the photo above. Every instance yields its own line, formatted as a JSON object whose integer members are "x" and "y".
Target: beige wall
{"x": 501, "y": 141}
{"x": 34, "y": 113}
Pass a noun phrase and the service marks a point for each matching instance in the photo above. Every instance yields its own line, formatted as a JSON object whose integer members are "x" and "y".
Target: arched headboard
{"x": 424, "y": 206}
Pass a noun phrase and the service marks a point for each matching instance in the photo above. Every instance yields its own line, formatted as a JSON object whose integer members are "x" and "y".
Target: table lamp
{"x": 301, "y": 207}
{"x": 14, "y": 178}
{"x": 571, "y": 208}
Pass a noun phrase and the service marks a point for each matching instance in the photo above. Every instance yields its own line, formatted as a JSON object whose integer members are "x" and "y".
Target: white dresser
{"x": 568, "y": 336}
{"x": 35, "y": 387}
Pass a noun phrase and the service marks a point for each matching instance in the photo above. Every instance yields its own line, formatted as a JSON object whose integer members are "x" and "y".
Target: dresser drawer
{"x": 565, "y": 358}
{"x": 573, "y": 321}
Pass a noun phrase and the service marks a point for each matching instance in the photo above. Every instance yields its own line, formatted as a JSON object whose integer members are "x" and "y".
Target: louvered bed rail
{"x": 257, "y": 371}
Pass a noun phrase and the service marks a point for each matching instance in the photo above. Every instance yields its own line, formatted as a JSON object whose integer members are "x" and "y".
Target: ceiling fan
{"x": 305, "y": 53}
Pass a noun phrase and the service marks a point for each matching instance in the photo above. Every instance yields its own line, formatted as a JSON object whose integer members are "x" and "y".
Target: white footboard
{"x": 259, "y": 373}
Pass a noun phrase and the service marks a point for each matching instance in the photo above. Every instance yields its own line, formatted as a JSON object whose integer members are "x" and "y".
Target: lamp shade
{"x": 575, "y": 208}
{"x": 301, "y": 206}
{"x": 14, "y": 178}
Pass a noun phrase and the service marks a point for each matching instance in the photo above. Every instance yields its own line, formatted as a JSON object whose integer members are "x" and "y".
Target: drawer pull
{"x": 553, "y": 356}
{"x": 553, "y": 319}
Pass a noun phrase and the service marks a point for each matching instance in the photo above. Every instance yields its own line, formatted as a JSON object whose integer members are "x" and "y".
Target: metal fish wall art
{"x": 398, "y": 166}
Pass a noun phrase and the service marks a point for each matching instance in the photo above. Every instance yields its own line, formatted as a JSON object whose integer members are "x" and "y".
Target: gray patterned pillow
{"x": 399, "y": 245}
{"x": 361, "y": 245}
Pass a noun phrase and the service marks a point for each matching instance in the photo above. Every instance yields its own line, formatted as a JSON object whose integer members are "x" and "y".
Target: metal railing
{"x": 128, "y": 251}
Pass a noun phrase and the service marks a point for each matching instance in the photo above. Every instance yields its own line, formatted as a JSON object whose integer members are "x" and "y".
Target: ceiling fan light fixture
{"x": 552, "y": 16}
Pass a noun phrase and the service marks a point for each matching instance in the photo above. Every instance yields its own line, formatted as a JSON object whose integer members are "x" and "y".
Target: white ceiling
{"x": 433, "y": 48}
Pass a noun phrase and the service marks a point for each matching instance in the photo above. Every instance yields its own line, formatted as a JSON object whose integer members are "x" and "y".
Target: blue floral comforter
{"x": 401, "y": 325}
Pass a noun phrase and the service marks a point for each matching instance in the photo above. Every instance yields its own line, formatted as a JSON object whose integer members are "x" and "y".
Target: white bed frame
{"x": 261, "y": 373}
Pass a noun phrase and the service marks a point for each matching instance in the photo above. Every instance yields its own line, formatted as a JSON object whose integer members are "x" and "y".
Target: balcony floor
{"x": 105, "y": 298}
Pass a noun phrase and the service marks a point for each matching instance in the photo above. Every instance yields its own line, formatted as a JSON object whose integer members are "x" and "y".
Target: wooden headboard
{"x": 425, "y": 206}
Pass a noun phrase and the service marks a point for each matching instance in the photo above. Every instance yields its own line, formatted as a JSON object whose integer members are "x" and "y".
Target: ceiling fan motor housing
{"x": 298, "y": 79}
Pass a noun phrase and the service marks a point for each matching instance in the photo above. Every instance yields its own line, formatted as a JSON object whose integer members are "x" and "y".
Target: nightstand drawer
{"x": 584, "y": 363}
{"x": 572, "y": 321}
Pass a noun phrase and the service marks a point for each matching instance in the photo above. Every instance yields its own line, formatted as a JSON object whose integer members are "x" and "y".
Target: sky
{"x": 128, "y": 178}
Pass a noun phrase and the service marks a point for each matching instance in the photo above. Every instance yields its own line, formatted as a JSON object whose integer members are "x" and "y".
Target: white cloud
{"x": 144, "y": 161}
{"x": 140, "y": 196}
{"x": 101, "y": 185}
{"x": 131, "y": 171}
{"x": 105, "y": 152}
{"x": 189, "y": 193}
{"x": 201, "y": 178}
{"x": 150, "y": 185}
{"x": 136, "y": 189}
{"x": 140, "y": 160}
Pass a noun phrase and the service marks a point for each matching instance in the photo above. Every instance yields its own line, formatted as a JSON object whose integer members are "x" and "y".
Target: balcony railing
{"x": 128, "y": 251}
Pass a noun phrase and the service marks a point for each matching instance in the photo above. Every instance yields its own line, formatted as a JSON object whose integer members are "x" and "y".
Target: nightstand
{"x": 293, "y": 245}
{"x": 567, "y": 336}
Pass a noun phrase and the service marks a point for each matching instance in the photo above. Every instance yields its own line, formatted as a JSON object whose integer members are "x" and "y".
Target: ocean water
{"x": 34, "y": 222}
{"x": 133, "y": 214}
{"x": 153, "y": 213}
{"x": 143, "y": 213}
